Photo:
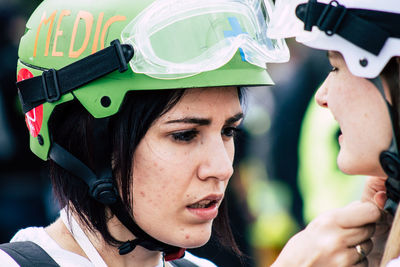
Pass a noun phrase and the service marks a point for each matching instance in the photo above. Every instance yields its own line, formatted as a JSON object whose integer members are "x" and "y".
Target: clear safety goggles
{"x": 179, "y": 38}
{"x": 285, "y": 24}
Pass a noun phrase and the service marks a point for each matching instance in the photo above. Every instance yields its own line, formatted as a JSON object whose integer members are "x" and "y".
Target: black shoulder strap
{"x": 182, "y": 263}
{"x": 28, "y": 254}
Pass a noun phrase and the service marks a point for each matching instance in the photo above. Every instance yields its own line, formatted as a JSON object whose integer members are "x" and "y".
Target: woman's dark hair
{"x": 391, "y": 73}
{"x": 71, "y": 128}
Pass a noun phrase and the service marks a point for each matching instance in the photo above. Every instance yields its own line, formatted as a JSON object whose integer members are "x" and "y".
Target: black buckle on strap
{"x": 331, "y": 17}
{"x": 51, "y": 98}
{"x": 390, "y": 163}
{"x": 120, "y": 53}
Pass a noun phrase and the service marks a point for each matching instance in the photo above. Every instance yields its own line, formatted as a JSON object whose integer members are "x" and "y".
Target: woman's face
{"x": 363, "y": 117}
{"x": 183, "y": 164}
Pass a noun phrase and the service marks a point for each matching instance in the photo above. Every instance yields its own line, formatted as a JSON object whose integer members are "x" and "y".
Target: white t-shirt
{"x": 65, "y": 258}
{"x": 394, "y": 263}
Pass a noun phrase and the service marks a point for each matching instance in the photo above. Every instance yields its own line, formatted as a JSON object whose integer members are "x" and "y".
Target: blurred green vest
{"x": 321, "y": 183}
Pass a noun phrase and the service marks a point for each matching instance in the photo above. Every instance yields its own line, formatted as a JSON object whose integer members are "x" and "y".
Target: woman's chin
{"x": 196, "y": 239}
{"x": 347, "y": 168}
{"x": 190, "y": 242}
{"x": 343, "y": 163}
{"x": 190, "y": 238}
{"x": 359, "y": 167}
{"x": 195, "y": 243}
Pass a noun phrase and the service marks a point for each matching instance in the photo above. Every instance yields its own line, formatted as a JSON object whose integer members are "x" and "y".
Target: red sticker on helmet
{"x": 34, "y": 117}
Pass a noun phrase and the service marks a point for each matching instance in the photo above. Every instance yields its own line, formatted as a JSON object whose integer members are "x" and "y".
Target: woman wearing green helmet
{"x": 120, "y": 146}
{"x": 141, "y": 171}
{"x": 362, "y": 38}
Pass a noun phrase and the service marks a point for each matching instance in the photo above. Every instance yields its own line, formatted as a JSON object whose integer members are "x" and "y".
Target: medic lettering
{"x": 75, "y": 49}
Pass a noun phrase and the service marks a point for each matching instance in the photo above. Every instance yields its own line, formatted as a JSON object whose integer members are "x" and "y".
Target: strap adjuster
{"x": 331, "y": 17}
{"x": 51, "y": 98}
{"x": 124, "y": 53}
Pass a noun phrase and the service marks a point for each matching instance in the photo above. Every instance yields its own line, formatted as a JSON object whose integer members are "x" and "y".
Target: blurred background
{"x": 285, "y": 165}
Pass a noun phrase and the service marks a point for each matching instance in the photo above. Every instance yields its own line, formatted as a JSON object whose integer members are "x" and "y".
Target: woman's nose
{"x": 321, "y": 96}
{"x": 217, "y": 160}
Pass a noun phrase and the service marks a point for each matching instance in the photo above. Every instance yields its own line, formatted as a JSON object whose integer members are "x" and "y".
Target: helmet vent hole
{"x": 40, "y": 140}
{"x": 363, "y": 62}
{"x": 105, "y": 101}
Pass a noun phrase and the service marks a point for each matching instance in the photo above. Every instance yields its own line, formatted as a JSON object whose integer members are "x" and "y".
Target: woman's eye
{"x": 334, "y": 69}
{"x": 185, "y": 136}
{"x": 230, "y": 131}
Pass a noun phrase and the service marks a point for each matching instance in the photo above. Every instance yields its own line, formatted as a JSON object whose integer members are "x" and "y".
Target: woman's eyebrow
{"x": 205, "y": 121}
{"x": 234, "y": 118}
{"x": 191, "y": 120}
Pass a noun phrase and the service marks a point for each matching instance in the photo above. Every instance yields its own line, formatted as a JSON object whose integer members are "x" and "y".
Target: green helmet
{"x": 60, "y": 33}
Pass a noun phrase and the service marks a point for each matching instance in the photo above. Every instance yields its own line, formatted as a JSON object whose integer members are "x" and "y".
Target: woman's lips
{"x": 207, "y": 208}
{"x": 340, "y": 136}
{"x": 205, "y": 214}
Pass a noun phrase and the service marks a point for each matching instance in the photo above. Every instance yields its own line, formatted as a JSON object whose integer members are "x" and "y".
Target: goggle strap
{"x": 367, "y": 29}
{"x": 52, "y": 84}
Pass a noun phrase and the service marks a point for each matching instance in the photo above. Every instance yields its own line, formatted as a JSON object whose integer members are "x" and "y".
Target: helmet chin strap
{"x": 389, "y": 159}
{"x": 103, "y": 189}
